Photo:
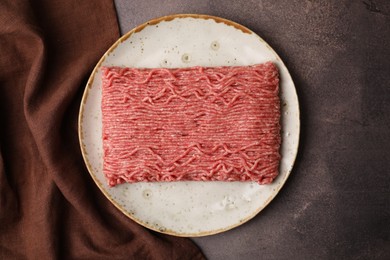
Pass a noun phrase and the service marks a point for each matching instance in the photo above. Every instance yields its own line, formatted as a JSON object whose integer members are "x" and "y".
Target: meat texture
{"x": 198, "y": 124}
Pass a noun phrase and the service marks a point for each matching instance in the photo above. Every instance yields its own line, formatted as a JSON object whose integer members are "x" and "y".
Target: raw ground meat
{"x": 198, "y": 124}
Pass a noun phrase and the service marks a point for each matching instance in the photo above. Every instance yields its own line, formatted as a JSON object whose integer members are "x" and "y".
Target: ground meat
{"x": 198, "y": 124}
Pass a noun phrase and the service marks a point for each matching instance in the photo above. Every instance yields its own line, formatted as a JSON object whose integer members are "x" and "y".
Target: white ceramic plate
{"x": 188, "y": 208}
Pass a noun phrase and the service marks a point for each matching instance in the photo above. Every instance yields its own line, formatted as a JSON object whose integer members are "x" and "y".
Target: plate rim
{"x": 88, "y": 86}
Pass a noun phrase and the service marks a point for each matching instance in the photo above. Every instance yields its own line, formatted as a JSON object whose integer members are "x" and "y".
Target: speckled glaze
{"x": 188, "y": 208}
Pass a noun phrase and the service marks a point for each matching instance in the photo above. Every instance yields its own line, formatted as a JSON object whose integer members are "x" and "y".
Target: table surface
{"x": 336, "y": 202}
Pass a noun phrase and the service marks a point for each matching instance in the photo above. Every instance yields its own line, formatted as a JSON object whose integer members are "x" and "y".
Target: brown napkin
{"x": 49, "y": 206}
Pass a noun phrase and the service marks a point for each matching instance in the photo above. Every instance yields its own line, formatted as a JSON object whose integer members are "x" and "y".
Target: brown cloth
{"x": 49, "y": 206}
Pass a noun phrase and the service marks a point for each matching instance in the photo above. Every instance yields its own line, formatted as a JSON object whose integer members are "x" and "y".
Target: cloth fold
{"x": 49, "y": 206}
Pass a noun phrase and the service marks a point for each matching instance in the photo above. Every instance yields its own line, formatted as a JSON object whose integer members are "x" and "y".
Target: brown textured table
{"x": 336, "y": 203}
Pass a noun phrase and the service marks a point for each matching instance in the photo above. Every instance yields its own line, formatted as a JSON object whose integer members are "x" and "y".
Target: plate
{"x": 188, "y": 208}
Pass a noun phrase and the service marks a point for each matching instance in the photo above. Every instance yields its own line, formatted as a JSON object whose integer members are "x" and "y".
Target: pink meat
{"x": 199, "y": 124}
